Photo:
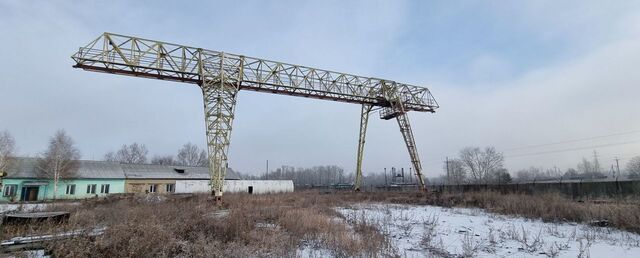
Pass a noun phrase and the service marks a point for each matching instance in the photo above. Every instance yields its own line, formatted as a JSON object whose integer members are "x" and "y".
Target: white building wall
{"x": 236, "y": 186}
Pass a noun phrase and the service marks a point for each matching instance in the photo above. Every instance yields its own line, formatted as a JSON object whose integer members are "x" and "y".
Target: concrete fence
{"x": 574, "y": 189}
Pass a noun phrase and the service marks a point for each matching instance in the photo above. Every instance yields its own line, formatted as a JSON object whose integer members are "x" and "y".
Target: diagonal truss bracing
{"x": 221, "y": 75}
{"x": 127, "y": 55}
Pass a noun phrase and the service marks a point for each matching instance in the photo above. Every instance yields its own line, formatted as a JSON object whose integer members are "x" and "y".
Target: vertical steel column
{"x": 220, "y": 92}
{"x": 407, "y": 134}
{"x": 364, "y": 119}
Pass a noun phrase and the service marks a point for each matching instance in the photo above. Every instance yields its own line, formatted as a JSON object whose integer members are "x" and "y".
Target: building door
{"x": 30, "y": 193}
{"x": 250, "y": 190}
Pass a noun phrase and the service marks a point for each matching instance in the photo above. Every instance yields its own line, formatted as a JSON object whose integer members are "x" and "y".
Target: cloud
{"x": 507, "y": 75}
{"x": 489, "y": 68}
{"x": 590, "y": 96}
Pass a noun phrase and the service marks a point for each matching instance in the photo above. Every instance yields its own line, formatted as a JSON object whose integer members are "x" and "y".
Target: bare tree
{"x": 589, "y": 169}
{"x": 585, "y": 167}
{"x": 131, "y": 154}
{"x": 571, "y": 173}
{"x": 457, "y": 172}
{"x": 501, "y": 176}
{"x": 633, "y": 167}
{"x": 481, "y": 164}
{"x": 60, "y": 160}
{"x": 191, "y": 155}
{"x": 529, "y": 174}
{"x": 317, "y": 175}
{"x": 7, "y": 151}
{"x": 163, "y": 160}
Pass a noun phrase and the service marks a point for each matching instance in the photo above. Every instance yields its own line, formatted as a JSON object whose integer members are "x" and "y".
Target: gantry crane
{"x": 222, "y": 75}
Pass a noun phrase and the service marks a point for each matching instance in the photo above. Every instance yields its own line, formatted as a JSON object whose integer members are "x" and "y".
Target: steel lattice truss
{"x": 222, "y": 75}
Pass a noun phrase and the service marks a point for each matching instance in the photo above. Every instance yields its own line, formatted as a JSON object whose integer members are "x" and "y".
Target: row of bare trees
{"x": 327, "y": 175}
{"x": 131, "y": 154}
{"x": 483, "y": 166}
{"x": 473, "y": 164}
{"x": 311, "y": 176}
{"x": 476, "y": 166}
{"x": 135, "y": 153}
{"x": 585, "y": 169}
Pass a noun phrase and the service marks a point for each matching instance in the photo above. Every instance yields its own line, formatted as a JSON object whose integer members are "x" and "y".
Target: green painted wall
{"x": 45, "y": 192}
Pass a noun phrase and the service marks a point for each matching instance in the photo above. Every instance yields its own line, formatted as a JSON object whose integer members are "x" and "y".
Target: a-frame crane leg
{"x": 364, "y": 119}
{"x": 407, "y": 134}
{"x": 219, "y": 106}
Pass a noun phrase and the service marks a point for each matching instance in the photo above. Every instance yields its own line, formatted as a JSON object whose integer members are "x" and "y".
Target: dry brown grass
{"x": 278, "y": 225}
{"x": 254, "y": 226}
{"x": 551, "y": 207}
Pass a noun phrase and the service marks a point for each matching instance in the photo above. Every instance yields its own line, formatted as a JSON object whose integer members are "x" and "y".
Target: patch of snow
{"x": 31, "y": 207}
{"x": 418, "y": 231}
{"x": 5, "y": 207}
{"x": 312, "y": 250}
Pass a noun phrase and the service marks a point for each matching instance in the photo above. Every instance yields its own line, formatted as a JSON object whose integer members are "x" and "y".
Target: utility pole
{"x": 618, "y": 168}
{"x": 266, "y": 173}
{"x": 410, "y": 176}
{"x": 613, "y": 171}
{"x": 447, "y": 164}
{"x": 393, "y": 175}
{"x": 596, "y": 163}
{"x": 385, "y": 178}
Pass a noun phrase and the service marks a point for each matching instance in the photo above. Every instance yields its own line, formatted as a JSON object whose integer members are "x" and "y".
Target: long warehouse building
{"x": 24, "y": 181}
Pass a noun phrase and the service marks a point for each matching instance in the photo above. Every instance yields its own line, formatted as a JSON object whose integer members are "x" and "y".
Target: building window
{"x": 91, "y": 189}
{"x": 104, "y": 188}
{"x": 152, "y": 188}
{"x": 10, "y": 190}
{"x": 171, "y": 188}
{"x": 71, "y": 189}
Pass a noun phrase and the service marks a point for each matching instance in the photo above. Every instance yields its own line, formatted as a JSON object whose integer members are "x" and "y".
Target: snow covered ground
{"x": 27, "y": 207}
{"x": 22, "y": 207}
{"x": 429, "y": 231}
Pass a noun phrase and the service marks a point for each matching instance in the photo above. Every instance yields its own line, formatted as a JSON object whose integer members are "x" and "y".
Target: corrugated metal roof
{"x": 28, "y": 168}
{"x": 147, "y": 171}
{"x": 89, "y": 169}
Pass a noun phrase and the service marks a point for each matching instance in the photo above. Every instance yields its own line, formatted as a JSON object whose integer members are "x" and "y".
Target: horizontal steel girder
{"x": 118, "y": 54}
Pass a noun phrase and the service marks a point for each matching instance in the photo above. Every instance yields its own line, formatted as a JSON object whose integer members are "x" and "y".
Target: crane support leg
{"x": 219, "y": 106}
{"x": 407, "y": 134}
{"x": 364, "y": 119}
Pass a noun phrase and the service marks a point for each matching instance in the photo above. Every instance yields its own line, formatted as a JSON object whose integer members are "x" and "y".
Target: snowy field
{"x": 428, "y": 231}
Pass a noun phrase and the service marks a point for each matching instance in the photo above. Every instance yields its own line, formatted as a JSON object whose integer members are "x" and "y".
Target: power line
{"x": 628, "y": 155}
{"x": 572, "y": 149}
{"x": 574, "y": 140}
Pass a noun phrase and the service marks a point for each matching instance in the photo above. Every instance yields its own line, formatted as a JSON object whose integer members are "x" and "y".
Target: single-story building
{"x": 237, "y": 186}
{"x": 146, "y": 178}
{"x": 24, "y": 181}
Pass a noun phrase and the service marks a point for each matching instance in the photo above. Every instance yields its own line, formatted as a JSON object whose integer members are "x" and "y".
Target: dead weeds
{"x": 280, "y": 225}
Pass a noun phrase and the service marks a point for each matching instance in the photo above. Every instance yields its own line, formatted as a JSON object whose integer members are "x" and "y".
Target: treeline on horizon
{"x": 473, "y": 165}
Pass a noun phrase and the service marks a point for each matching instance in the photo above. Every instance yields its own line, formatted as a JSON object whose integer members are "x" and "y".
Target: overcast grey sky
{"x": 506, "y": 73}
